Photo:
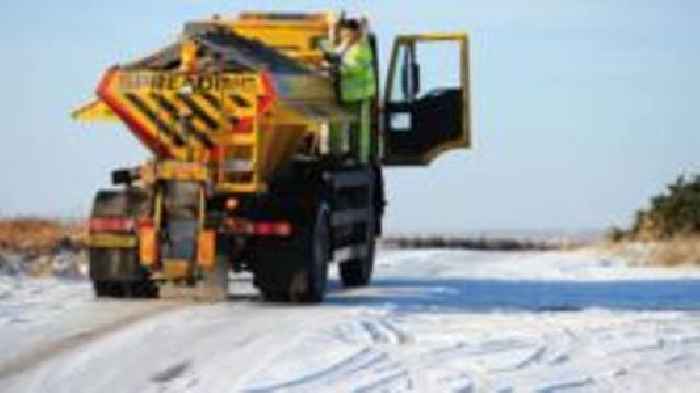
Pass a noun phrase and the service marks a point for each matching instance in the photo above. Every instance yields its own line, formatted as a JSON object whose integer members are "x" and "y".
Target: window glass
{"x": 438, "y": 66}
{"x": 396, "y": 89}
{"x": 439, "y": 63}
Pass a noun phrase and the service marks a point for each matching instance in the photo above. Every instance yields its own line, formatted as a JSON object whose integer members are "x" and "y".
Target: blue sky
{"x": 582, "y": 109}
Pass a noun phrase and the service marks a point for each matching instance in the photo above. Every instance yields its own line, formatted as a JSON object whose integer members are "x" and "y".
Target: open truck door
{"x": 427, "y": 99}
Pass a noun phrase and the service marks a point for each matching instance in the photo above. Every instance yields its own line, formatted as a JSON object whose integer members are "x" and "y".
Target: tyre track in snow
{"x": 386, "y": 358}
{"x": 432, "y": 322}
{"x": 46, "y": 351}
{"x": 550, "y": 352}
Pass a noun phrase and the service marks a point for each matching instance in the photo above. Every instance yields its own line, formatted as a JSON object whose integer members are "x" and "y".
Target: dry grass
{"x": 674, "y": 252}
{"x": 678, "y": 251}
{"x": 39, "y": 235}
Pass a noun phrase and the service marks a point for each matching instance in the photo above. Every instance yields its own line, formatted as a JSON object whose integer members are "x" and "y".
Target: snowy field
{"x": 433, "y": 321}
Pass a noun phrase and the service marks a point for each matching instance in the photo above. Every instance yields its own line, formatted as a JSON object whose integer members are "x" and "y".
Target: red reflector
{"x": 239, "y": 226}
{"x": 145, "y": 222}
{"x": 243, "y": 125}
{"x": 243, "y": 226}
{"x": 283, "y": 229}
{"x": 111, "y": 224}
{"x": 273, "y": 228}
{"x": 264, "y": 228}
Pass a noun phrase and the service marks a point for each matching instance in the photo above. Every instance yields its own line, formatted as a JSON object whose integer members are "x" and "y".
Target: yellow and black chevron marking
{"x": 171, "y": 111}
{"x": 169, "y": 115}
{"x": 241, "y": 101}
{"x": 156, "y": 121}
{"x": 166, "y": 113}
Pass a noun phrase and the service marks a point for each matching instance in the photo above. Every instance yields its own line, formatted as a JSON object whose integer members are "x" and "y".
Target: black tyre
{"x": 125, "y": 289}
{"x": 301, "y": 274}
{"x": 309, "y": 284}
{"x": 270, "y": 279}
{"x": 117, "y": 272}
{"x": 145, "y": 289}
{"x": 109, "y": 289}
{"x": 358, "y": 271}
{"x": 106, "y": 289}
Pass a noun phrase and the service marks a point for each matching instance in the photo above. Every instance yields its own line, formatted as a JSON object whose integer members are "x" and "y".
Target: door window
{"x": 425, "y": 66}
{"x": 426, "y": 105}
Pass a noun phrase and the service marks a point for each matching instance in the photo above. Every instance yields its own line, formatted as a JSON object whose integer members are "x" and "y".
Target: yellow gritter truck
{"x": 254, "y": 166}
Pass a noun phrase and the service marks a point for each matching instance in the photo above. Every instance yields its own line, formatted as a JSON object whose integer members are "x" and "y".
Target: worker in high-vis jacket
{"x": 356, "y": 82}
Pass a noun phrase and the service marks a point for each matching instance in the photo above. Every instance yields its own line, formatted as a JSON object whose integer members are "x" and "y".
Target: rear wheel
{"x": 145, "y": 289}
{"x": 117, "y": 272}
{"x": 302, "y": 274}
{"x": 309, "y": 284}
{"x": 107, "y": 289}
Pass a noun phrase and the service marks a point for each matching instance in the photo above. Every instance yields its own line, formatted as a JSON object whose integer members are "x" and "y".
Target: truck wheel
{"x": 125, "y": 289}
{"x": 116, "y": 272}
{"x": 357, "y": 272}
{"x": 107, "y": 289}
{"x": 308, "y": 285}
{"x": 303, "y": 276}
{"x": 271, "y": 282}
{"x": 213, "y": 287}
{"x": 145, "y": 289}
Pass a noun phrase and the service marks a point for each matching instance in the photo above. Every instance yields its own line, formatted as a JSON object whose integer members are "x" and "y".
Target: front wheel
{"x": 357, "y": 272}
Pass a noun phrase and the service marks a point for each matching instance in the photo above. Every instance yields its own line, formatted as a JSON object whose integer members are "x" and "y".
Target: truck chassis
{"x": 313, "y": 214}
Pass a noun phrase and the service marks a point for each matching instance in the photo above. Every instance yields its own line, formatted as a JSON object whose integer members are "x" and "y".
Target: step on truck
{"x": 254, "y": 163}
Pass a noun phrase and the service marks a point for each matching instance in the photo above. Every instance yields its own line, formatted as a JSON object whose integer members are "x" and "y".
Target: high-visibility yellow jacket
{"x": 357, "y": 79}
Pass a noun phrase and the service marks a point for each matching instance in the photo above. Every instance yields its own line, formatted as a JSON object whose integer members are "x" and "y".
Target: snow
{"x": 433, "y": 321}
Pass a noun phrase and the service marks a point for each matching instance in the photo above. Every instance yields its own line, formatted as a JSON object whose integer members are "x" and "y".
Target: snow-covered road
{"x": 433, "y": 321}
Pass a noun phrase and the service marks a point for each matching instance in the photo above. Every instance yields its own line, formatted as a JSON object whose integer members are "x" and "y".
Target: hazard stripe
{"x": 166, "y": 106}
{"x": 105, "y": 92}
{"x": 212, "y": 100}
{"x": 240, "y": 101}
{"x": 202, "y": 137}
{"x": 136, "y": 101}
{"x": 199, "y": 126}
{"x": 170, "y": 108}
{"x": 207, "y": 107}
{"x": 198, "y": 112}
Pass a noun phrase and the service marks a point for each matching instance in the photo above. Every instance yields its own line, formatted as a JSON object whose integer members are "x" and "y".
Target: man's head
{"x": 350, "y": 30}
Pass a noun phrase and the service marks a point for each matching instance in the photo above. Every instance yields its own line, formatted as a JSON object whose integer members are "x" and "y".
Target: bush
{"x": 673, "y": 213}
{"x": 616, "y": 234}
